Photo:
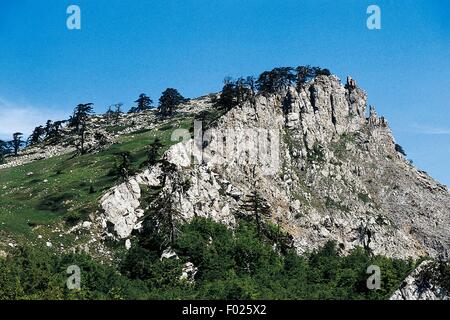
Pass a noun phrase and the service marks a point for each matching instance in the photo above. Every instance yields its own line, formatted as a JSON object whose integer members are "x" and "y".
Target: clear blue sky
{"x": 125, "y": 48}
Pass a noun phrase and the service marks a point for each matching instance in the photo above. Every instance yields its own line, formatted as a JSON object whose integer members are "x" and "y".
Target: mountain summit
{"x": 311, "y": 160}
{"x": 338, "y": 175}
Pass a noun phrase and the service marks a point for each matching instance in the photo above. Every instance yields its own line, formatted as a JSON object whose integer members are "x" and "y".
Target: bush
{"x": 317, "y": 154}
{"x": 400, "y": 149}
{"x": 73, "y": 217}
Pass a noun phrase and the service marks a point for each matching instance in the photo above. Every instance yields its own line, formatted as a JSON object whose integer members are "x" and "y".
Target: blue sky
{"x": 125, "y": 48}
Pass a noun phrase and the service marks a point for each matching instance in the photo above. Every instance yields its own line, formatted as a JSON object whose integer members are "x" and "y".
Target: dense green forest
{"x": 232, "y": 264}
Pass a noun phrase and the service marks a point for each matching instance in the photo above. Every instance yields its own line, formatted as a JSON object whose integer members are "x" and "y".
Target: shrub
{"x": 400, "y": 149}
{"x": 73, "y": 217}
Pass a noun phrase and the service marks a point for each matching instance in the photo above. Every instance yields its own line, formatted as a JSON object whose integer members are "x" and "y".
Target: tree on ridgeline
{"x": 303, "y": 75}
{"x": 117, "y": 111}
{"x": 307, "y": 73}
{"x": 109, "y": 114}
{"x": 17, "y": 142}
{"x": 235, "y": 92}
{"x": 251, "y": 84}
{"x": 48, "y": 127}
{"x": 78, "y": 121}
{"x": 54, "y": 132}
{"x": 4, "y": 149}
{"x": 143, "y": 103}
{"x": 80, "y": 115}
{"x": 322, "y": 72}
{"x": 280, "y": 78}
{"x": 168, "y": 101}
{"x": 37, "y": 135}
{"x": 227, "y": 98}
{"x": 245, "y": 89}
{"x": 113, "y": 113}
{"x": 400, "y": 149}
{"x": 275, "y": 80}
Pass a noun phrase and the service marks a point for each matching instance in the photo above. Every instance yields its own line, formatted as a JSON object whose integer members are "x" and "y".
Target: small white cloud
{"x": 431, "y": 130}
{"x": 22, "y": 118}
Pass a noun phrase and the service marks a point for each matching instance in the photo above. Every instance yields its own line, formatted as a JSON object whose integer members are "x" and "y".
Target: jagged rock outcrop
{"x": 188, "y": 273}
{"x": 121, "y": 204}
{"x": 418, "y": 287}
{"x": 327, "y": 169}
{"x": 122, "y": 207}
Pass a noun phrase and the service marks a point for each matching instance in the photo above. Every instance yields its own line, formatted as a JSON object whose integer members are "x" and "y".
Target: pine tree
{"x": 143, "y": 103}
{"x": 3, "y": 151}
{"x": 152, "y": 155}
{"x": 400, "y": 149}
{"x": 36, "y": 136}
{"x": 227, "y": 99}
{"x": 78, "y": 121}
{"x": 125, "y": 166}
{"x": 48, "y": 127}
{"x": 236, "y": 92}
{"x": 244, "y": 89}
{"x": 258, "y": 208}
{"x": 109, "y": 114}
{"x": 117, "y": 111}
{"x": 54, "y": 131}
{"x": 17, "y": 142}
{"x": 80, "y": 115}
{"x": 303, "y": 75}
{"x": 169, "y": 100}
{"x": 160, "y": 225}
{"x": 275, "y": 80}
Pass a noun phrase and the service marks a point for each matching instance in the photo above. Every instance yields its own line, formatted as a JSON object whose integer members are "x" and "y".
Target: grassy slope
{"x": 28, "y": 201}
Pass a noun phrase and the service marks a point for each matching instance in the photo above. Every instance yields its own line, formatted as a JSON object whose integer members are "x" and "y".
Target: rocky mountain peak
{"x": 327, "y": 171}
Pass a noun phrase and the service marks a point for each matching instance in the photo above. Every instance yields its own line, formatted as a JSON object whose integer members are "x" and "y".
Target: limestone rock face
{"x": 327, "y": 168}
{"x": 338, "y": 176}
{"x": 169, "y": 254}
{"x": 121, "y": 205}
{"x": 415, "y": 287}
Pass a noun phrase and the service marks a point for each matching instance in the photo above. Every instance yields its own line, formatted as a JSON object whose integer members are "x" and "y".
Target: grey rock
{"x": 416, "y": 288}
{"x": 188, "y": 273}
{"x": 169, "y": 254}
{"x": 339, "y": 177}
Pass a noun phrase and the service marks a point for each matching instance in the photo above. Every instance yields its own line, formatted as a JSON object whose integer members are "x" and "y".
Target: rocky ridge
{"x": 339, "y": 178}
